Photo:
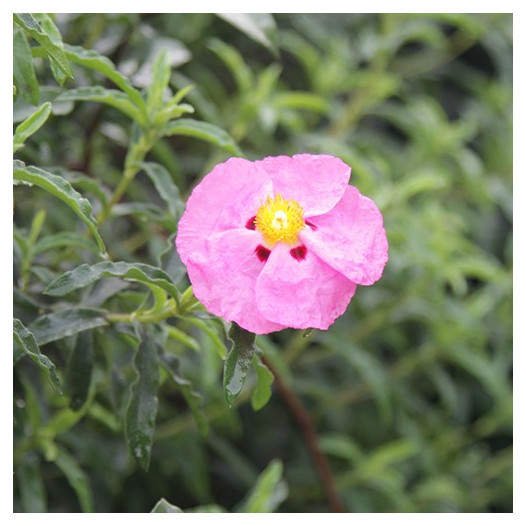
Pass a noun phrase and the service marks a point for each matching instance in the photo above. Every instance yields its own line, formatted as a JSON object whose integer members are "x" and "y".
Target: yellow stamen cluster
{"x": 280, "y": 219}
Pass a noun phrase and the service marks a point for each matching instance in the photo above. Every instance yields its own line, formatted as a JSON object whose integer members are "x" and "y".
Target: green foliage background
{"x": 119, "y": 403}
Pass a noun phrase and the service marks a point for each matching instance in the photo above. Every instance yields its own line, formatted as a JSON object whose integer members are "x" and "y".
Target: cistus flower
{"x": 281, "y": 242}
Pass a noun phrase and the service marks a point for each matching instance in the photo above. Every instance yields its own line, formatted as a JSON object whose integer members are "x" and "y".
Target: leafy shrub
{"x": 119, "y": 403}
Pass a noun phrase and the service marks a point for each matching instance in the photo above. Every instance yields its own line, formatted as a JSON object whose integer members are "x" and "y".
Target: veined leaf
{"x": 58, "y": 325}
{"x": 23, "y": 71}
{"x": 159, "y": 82}
{"x": 165, "y": 186}
{"x": 111, "y": 97}
{"x": 92, "y": 60}
{"x": 27, "y": 344}
{"x": 193, "y": 399}
{"x": 34, "y": 29}
{"x": 30, "y": 125}
{"x": 205, "y": 131}
{"x": 60, "y": 188}
{"x": 238, "y": 362}
{"x": 85, "y": 275}
{"x": 142, "y": 408}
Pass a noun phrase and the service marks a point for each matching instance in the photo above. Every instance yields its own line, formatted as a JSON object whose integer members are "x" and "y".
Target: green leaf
{"x": 27, "y": 128}
{"x": 67, "y": 322}
{"x": 27, "y": 344}
{"x": 159, "y": 82}
{"x": 23, "y": 71}
{"x": 111, "y": 97}
{"x": 79, "y": 370}
{"x": 263, "y": 390}
{"x": 205, "y": 131}
{"x": 164, "y": 184}
{"x": 76, "y": 478}
{"x": 193, "y": 399}
{"x": 269, "y": 491}
{"x": 142, "y": 408}
{"x": 85, "y": 275}
{"x": 302, "y": 101}
{"x": 60, "y": 188}
{"x": 163, "y": 506}
{"x": 260, "y": 27}
{"x": 92, "y": 60}
{"x": 53, "y": 49}
{"x": 51, "y": 29}
{"x": 63, "y": 240}
{"x": 238, "y": 362}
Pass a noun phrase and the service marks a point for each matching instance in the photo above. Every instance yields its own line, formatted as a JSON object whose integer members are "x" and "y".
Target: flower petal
{"x": 350, "y": 238}
{"x": 224, "y": 277}
{"x": 225, "y": 199}
{"x": 316, "y": 182}
{"x": 304, "y": 293}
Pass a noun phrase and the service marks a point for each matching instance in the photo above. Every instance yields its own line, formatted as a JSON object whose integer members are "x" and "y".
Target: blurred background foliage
{"x": 410, "y": 391}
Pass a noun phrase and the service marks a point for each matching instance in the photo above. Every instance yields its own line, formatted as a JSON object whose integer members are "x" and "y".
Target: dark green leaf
{"x": 142, "y": 408}
{"x": 87, "y": 274}
{"x": 60, "y": 188}
{"x": 205, "y": 131}
{"x": 111, "y": 97}
{"x": 23, "y": 71}
{"x": 164, "y": 184}
{"x": 263, "y": 390}
{"x": 163, "y": 506}
{"x": 58, "y": 325}
{"x": 79, "y": 370}
{"x": 32, "y": 489}
{"x": 238, "y": 362}
{"x": 269, "y": 491}
{"x": 53, "y": 49}
{"x": 193, "y": 399}
{"x": 26, "y": 343}
{"x": 30, "y": 125}
{"x": 62, "y": 240}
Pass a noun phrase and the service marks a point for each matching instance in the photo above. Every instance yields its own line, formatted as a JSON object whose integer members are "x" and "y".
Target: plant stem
{"x": 310, "y": 435}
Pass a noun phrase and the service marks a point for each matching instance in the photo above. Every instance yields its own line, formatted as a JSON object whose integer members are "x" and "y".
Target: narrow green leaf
{"x": 79, "y": 370}
{"x": 164, "y": 184}
{"x": 23, "y": 71}
{"x": 27, "y": 344}
{"x": 260, "y": 27}
{"x": 62, "y": 240}
{"x": 85, "y": 275}
{"x": 238, "y": 362}
{"x": 27, "y": 128}
{"x": 159, "y": 82}
{"x": 76, "y": 478}
{"x": 51, "y": 29}
{"x": 269, "y": 491}
{"x": 163, "y": 506}
{"x": 142, "y": 408}
{"x": 193, "y": 399}
{"x": 263, "y": 390}
{"x": 93, "y": 60}
{"x": 301, "y": 100}
{"x": 35, "y": 30}
{"x": 111, "y": 97}
{"x": 205, "y": 131}
{"x": 58, "y": 325}
{"x": 60, "y": 188}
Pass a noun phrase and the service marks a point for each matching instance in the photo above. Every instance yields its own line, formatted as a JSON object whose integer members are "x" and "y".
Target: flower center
{"x": 280, "y": 219}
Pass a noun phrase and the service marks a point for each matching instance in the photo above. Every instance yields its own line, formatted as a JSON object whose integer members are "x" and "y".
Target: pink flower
{"x": 280, "y": 242}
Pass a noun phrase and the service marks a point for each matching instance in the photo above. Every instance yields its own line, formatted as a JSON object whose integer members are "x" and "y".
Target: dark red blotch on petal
{"x": 262, "y": 252}
{"x": 314, "y": 227}
{"x": 299, "y": 253}
{"x": 251, "y": 223}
